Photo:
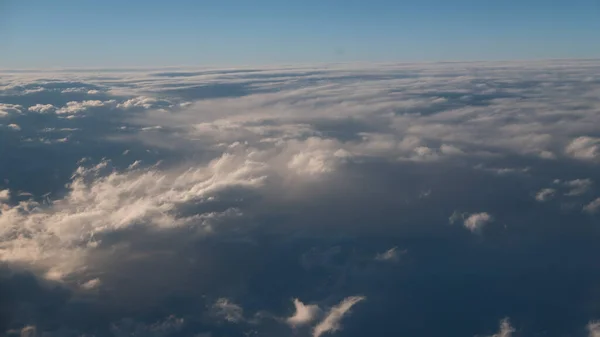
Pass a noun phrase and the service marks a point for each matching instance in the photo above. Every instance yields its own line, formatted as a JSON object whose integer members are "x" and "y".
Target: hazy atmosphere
{"x": 276, "y": 188}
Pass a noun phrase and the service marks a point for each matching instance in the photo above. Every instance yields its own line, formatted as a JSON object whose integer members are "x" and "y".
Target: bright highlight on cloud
{"x": 304, "y": 314}
{"x": 476, "y": 221}
{"x": 332, "y": 321}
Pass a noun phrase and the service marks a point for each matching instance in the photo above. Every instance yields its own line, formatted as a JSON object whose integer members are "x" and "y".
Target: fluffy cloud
{"x": 8, "y": 109}
{"x": 75, "y": 107}
{"x": 58, "y": 238}
{"x": 42, "y": 108}
{"x": 332, "y": 321}
{"x": 545, "y": 194}
{"x": 473, "y": 222}
{"x": 91, "y": 284}
{"x": 304, "y": 314}
{"x": 14, "y": 127}
{"x": 4, "y": 195}
{"x": 585, "y": 148}
{"x": 144, "y": 102}
{"x": 477, "y": 221}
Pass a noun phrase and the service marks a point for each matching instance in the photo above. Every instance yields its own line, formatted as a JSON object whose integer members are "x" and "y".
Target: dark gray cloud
{"x": 301, "y": 201}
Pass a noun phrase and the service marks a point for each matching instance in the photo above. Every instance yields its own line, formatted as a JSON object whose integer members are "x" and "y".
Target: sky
{"x": 110, "y": 33}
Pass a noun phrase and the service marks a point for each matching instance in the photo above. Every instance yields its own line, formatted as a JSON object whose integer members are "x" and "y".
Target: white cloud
{"x": 545, "y": 194}
{"x": 4, "y": 195}
{"x": 593, "y": 329}
{"x": 42, "y": 108}
{"x": 332, "y": 321}
{"x": 14, "y": 127}
{"x": 304, "y": 314}
{"x": 29, "y": 331}
{"x": 506, "y": 329}
{"x": 76, "y": 107}
{"x": 593, "y": 206}
{"x": 144, "y": 102}
{"x": 585, "y": 148}
{"x": 229, "y": 311}
{"x": 57, "y": 238}
{"x": 91, "y": 284}
{"x": 477, "y": 221}
{"x": 9, "y": 109}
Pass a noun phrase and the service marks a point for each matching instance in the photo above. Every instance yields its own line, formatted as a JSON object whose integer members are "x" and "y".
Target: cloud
{"x": 506, "y": 330}
{"x": 9, "y": 109}
{"x": 14, "y": 127}
{"x": 593, "y": 329}
{"x": 593, "y": 206}
{"x": 76, "y": 107}
{"x": 304, "y": 314}
{"x": 545, "y": 194}
{"x": 477, "y": 221}
{"x": 229, "y": 311}
{"x": 42, "y": 108}
{"x": 585, "y": 148}
{"x": 332, "y": 321}
{"x": 391, "y": 254}
{"x": 578, "y": 186}
{"x": 91, "y": 284}
{"x": 28, "y": 331}
{"x": 4, "y": 195}
{"x": 264, "y": 184}
{"x": 144, "y": 102}
{"x": 53, "y": 238}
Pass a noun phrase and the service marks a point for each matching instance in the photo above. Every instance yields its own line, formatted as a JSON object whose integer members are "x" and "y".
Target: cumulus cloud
{"x": 58, "y": 236}
{"x": 585, "y": 148}
{"x": 144, "y": 102}
{"x": 477, "y": 221}
{"x": 76, "y": 107}
{"x": 9, "y": 109}
{"x": 14, "y": 127}
{"x": 42, "y": 108}
{"x": 304, "y": 314}
{"x": 4, "y": 195}
{"x": 332, "y": 321}
{"x": 545, "y": 194}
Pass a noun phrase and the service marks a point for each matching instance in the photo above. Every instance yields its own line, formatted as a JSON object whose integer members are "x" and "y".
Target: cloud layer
{"x": 208, "y": 202}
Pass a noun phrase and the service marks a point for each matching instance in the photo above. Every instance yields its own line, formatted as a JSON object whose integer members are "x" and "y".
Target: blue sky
{"x": 85, "y": 33}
